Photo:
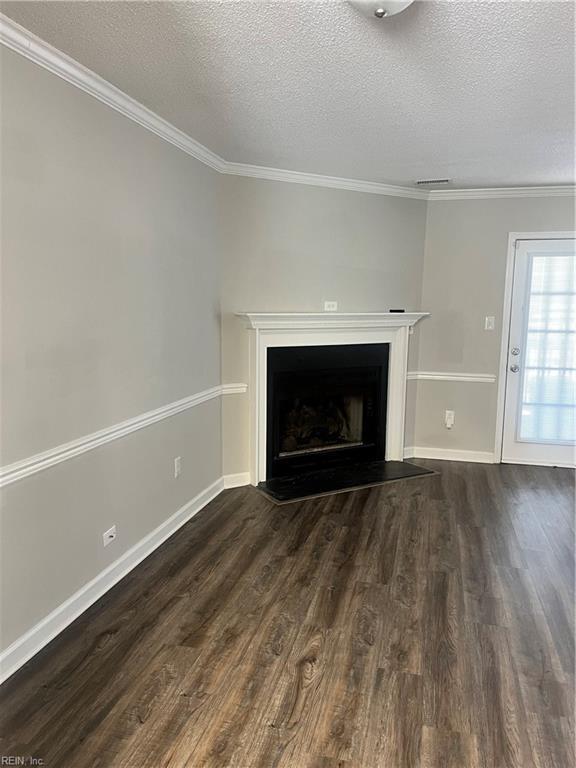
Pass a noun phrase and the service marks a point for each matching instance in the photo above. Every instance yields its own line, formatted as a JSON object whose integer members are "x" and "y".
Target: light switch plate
{"x": 489, "y": 323}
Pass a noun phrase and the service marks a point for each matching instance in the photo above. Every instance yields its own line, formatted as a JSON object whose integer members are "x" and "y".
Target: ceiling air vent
{"x": 426, "y": 182}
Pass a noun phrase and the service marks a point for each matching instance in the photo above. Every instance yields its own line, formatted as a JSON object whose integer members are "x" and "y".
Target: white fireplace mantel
{"x": 297, "y": 329}
{"x": 276, "y": 320}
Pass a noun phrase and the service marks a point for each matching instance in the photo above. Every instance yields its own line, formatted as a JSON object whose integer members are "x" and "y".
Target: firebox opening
{"x": 326, "y": 407}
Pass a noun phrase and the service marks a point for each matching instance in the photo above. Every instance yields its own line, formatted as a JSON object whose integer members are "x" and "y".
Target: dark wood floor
{"x": 422, "y": 623}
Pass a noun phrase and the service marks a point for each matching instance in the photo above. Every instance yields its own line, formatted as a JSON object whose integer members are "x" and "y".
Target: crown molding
{"x": 501, "y": 192}
{"x": 24, "y": 42}
{"x": 318, "y": 180}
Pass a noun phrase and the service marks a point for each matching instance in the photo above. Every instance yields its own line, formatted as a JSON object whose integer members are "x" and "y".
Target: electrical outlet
{"x": 177, "y": 466}
{"x": 109, "y": 536}
{"x": 489, "y": 323}
{"x": 330, "y": 306}
{"x": 449, "y": 418}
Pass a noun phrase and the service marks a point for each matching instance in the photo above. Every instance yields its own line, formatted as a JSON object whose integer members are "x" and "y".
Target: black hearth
{"x": 326, "y": 420}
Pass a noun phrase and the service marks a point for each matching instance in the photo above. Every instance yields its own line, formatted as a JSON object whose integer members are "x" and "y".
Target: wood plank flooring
{"x": 426, "y": 623}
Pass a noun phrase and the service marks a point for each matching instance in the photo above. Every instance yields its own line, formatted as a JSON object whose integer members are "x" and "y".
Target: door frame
{"x": 513, "y": 238}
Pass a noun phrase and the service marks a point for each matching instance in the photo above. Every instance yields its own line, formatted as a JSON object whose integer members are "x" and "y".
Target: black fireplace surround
{"x": 326, "y": 407}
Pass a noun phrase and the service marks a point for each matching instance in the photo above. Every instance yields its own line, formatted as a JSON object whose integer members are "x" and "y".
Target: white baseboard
{"x": 237, "y": 480}
{"x": 40, "y": 635}
{"x": 449, "y": 454}
{"x": 561, "y": 464}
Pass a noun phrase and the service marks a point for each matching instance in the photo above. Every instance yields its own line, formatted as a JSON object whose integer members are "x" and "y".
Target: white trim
{"x": 21, "y": 469}
{"x": 319, "y": 180}
{"x": 268, "y": 321}
{"x": 501, "y": 192}
{"x": 562, "y": 235}
{"x": 484, "y": 378}
{"x": 26, "y": 646}
{"x": 513, "y": 238}
{"x": 237, "y": 480}
{"x": 24, "y": 42}
{"x": 233, "y": 389}
{"x": 503, "y": 364}
{"x": 561, "y": 464}
{"x": 449, "y": 454}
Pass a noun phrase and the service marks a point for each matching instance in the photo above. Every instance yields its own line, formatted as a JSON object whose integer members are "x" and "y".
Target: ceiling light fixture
{"x": 381, "y": 9}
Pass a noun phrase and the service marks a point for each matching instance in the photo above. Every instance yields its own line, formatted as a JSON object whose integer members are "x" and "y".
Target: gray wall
{"x": 110, "y": 308}
{"x": 290, "y": 247}
{"x": 464, "y": 272}
{"x": 110, "y": 271}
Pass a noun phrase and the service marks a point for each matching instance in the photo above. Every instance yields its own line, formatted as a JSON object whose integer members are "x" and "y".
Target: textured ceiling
{"x": 480, "y": 92}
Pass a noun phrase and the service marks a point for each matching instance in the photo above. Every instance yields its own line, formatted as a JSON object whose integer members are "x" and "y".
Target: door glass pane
{"x": 547, "y": 408}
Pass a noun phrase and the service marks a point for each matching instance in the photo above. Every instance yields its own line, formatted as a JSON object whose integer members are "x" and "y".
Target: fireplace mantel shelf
{"x": 327, "y": 320}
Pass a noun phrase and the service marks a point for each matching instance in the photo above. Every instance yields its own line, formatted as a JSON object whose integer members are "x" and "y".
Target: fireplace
{"x": 327, "y": 400}
{"x": 326, "y": 407}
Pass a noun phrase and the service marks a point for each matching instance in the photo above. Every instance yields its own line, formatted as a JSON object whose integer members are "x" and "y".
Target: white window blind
{"x": 548, "y": 403}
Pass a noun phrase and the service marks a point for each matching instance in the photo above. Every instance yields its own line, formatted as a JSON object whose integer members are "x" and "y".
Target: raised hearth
{"x": 345, "y": 478}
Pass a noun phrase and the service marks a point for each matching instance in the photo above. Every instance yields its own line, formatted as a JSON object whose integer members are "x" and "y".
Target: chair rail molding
{"x": 480, "y": 378}
{"x": 24, "y": 42}
{"x": 11, "y": 473}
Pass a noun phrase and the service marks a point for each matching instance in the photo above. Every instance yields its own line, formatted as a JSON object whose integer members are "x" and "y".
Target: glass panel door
{"x": 549, "y": 374}
{"x": 539, "y": 424}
